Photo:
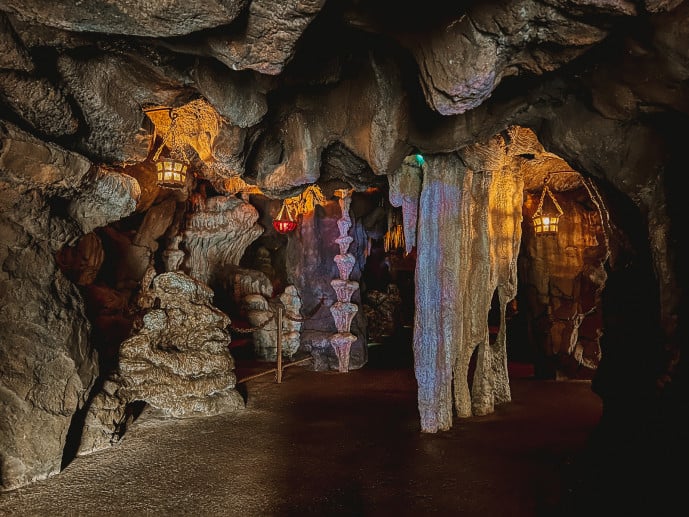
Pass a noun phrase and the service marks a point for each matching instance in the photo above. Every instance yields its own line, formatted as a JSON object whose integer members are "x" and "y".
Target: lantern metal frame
{"x": 546, "y": 223}
{"x": 284, "y": 224}
{"x": 172, "y": 167}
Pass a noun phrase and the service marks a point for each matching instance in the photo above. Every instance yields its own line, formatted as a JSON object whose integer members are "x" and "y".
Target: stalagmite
{"x": 343, "y": 310}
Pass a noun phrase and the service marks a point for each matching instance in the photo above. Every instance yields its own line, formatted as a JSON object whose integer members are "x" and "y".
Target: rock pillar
{"x": 343, "y": 310}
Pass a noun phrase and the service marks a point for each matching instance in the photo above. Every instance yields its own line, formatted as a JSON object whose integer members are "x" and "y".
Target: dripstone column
{"x": 343, "y": 310}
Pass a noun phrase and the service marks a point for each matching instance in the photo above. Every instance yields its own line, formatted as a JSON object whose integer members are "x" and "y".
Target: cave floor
{"x": 339, "y": 444}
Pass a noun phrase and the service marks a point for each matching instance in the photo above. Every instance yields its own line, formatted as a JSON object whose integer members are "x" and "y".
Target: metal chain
{"x": 309, "y": 316}
{"x": 272, "y": 307}
{"x": 251, "y": 329}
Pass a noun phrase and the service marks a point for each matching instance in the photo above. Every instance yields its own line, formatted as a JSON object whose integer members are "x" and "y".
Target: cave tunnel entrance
{"x": 387, "y": 283}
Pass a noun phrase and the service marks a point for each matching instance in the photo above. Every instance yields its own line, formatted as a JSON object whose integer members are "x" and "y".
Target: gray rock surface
{"x": 46, "y": 363}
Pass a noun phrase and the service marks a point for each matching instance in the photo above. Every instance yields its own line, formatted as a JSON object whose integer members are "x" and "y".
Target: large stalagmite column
{"x": 469, "y": 233}
{"x": 437, "y": 319}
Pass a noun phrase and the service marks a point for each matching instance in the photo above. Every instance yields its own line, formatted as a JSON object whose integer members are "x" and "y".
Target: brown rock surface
{"x": 178, "y": 360}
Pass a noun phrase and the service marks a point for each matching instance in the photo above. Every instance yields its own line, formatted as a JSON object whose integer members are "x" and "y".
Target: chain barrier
{"x": 273, "y": 308}
{"x": 249, "y": 330}
{"x": 309, "y": 316}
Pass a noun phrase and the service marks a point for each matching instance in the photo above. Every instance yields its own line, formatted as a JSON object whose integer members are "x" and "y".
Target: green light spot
{"x": 419, "y": 159}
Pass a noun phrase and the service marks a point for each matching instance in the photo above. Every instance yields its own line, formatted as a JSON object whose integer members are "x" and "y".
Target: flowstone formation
{"x": 343, "y": 310}
{"x": 217, "y": 233}
{"x": 178, "y": 361}
{"x": 563, "y": 276}
{"x": 481, "y": 196}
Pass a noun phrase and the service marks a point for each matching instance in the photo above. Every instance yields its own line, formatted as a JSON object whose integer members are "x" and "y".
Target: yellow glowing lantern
{"x": 546, "y": 222}
{"x": 170, "y": 159}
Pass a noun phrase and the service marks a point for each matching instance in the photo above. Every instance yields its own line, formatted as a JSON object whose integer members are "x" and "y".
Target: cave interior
{"x": 179, "y": 182}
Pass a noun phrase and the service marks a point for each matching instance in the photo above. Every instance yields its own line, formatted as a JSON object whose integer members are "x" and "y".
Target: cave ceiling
{"x": 299, "y": 85}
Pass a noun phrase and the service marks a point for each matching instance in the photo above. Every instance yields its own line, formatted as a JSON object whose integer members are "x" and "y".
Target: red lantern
{"x": 282, "y": 223}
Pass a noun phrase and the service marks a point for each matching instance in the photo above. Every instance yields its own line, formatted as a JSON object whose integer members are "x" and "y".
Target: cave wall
{"x": 563, "y": 276}
{"x": 47, "y": 363}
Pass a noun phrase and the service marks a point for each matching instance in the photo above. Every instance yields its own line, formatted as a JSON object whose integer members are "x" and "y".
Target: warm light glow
{"x": 171, "y": 173}
{"x": 394, "y": 238}
{"x": 546, "y": 223}
{"x": 306, "y": 202}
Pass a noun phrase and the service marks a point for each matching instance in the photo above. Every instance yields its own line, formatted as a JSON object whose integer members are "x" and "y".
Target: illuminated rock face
{"x": 47, "y": 363}
{"x": 178, "y": 361}
{"x": 565, "y": 274}
{"x": 79, "y": 73}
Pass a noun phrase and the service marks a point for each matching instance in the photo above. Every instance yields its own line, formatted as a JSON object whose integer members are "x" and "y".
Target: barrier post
{"x": 279, "y": 345}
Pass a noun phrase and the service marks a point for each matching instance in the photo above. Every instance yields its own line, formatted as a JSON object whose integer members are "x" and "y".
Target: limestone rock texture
{"x": 47, "y": 365}
{"x": 129, "y": 16}
{"x": 178, "y": 361}
{"x": 311, "y": 264}
{"x": 110, "y": 197}
{"x": 217, "y": 234}
{"x": 292, "y": 321}
{"x": 340, "y": 95}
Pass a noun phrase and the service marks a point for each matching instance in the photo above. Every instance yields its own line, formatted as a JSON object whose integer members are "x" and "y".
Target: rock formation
{"x": 216, "y": 236}
{"x": 47, "y": 365}
{"x": 178, "y": 361}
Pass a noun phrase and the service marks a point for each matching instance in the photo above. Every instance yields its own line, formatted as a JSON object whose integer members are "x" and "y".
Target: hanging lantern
{"x": 171, "y": 173}
{"x": 171, "y": 165}
{"x": 284, "y": 222}
{"x": 546, "y": 222}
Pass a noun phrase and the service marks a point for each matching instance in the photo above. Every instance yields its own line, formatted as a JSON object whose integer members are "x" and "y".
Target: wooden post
{"x": 279, "y": 345}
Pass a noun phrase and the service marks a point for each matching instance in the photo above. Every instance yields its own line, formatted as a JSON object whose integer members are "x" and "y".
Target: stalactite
{"x": 217, "y": 234}
{"x": 405, "y": 189}
{"x": 468, "y": 242}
